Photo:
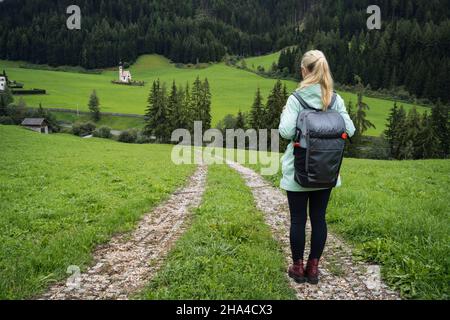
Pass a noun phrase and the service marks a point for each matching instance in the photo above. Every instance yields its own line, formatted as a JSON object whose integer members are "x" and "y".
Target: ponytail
{"x": 319, "y": 73}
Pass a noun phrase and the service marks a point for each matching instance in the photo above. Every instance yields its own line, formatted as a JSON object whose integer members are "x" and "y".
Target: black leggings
{"x": 318, "y": 202}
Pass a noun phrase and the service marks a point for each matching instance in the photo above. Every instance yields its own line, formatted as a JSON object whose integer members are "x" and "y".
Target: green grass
{"x": 60, "y": 196}
{"x": 265, "y": 61}
{"x": 397, "y": 214}
{"x": 232, "y": 89}
{"x": 379, "y": 110}
{"x": 228, "y": 253}
{"x": 114, "y": 122}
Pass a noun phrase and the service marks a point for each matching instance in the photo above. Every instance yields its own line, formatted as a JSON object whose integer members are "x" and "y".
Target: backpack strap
{"x": 307, "y": 106}
{"x": 333, "y": 100}
{"x": 302, "y": 102}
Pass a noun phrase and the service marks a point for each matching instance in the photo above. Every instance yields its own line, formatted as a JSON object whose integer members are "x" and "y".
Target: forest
{"x": 184, "y": 31}
{"x": 409, "y": 53}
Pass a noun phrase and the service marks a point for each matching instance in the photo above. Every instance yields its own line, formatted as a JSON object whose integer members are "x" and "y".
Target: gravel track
{"x": 128, "y": 262}
{"x": 341, "y": 278}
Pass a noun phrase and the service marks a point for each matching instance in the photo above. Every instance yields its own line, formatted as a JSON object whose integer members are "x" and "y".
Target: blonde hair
{"x": 319, "y": 73}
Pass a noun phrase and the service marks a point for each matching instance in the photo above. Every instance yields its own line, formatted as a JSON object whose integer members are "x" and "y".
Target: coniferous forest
{"x": 410, "y": 51}
{"x": 184, "y": 31}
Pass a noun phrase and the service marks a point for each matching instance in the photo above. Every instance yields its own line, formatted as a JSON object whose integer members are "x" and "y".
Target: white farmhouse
{"x": 124, "y": 75}
{"x": 2, "y": 83}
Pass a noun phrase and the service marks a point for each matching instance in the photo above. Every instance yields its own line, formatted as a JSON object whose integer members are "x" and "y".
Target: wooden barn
{"x": 36, "y": 124}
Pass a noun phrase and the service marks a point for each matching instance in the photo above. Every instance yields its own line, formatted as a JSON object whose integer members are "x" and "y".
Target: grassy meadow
{"x": 397, "y": 213}
{"x": 232, "y": 89}
{"x": 114, "y": 122}
{"x": 60, "y": 196}
{"x": 228, "y": 253}
{"x": 265, "y": 61}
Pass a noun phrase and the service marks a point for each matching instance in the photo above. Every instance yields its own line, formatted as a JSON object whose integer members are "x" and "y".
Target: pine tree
{"x": 94, "y": 106}
{"x": 401, "y": 127}
{"x": 439, "y": 118}
{"x": 411, "y": 135}
{"x": 6, "y": 98}
{"x": 188, "y": 110}
{"x": 157, "y": 118}
{"x": 196, "y": 100}
{"x": 427, "y": 140}
{"x": 390, "y": 133}
{"x": 361, "y": 123}
{"x": 40, "y": 112}
{"x": 173, "y": 107}
{"x": 206, "y": 105}
{"x": 275, "y": 103}
{"x": 257, "y": 115}
{"x": 351, "y": 149}
{"x": 176, "y": 109}
{"x": 240, "y": 121}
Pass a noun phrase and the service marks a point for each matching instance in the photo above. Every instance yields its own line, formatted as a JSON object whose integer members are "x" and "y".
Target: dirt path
{"x": 129, "y": 261}
{"x": 341, "y": 276}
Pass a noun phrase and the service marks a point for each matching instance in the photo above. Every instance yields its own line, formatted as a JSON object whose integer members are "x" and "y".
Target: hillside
{"x": 232, "y": 89}
{"x": 185, "y": 31}
{"x": 409, "y": 52}
{"x": 265, "y": 61}
{"x": 391, "y": 211}
{"x": 395, "y": 213}
{"x": 60, "y": 196}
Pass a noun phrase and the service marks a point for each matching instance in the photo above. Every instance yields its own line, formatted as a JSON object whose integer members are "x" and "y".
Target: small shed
{"x": 36, "y": 124}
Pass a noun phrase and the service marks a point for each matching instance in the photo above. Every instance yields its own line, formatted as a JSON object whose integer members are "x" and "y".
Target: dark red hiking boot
{"x": 312, "y": 271}
{"x": 297, "y": 272}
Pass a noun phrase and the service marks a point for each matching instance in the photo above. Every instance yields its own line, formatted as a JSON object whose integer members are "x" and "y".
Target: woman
{"x": 317, "y": 90}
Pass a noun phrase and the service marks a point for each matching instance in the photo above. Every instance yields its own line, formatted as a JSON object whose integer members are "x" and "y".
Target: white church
{"x": 124, "y": 75}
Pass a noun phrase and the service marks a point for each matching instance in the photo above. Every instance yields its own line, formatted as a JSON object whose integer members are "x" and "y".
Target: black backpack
{"x": 318, "y": 145}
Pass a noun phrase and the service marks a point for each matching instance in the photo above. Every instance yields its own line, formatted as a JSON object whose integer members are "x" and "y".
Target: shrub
{"x": 103, "y": 132}
{"x": 17, "y": 112}
{"x": 83, "y": 128}
{"x": 378, "y": 149}
{"x": 65, "y": 130}
{"x": 6, "y": 120}
{"x": 128, "y": 136}
{"x": 142, "y": 138}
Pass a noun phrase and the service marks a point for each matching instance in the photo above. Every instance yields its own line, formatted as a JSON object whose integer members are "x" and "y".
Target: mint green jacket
{"x": 313, "y": 96}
